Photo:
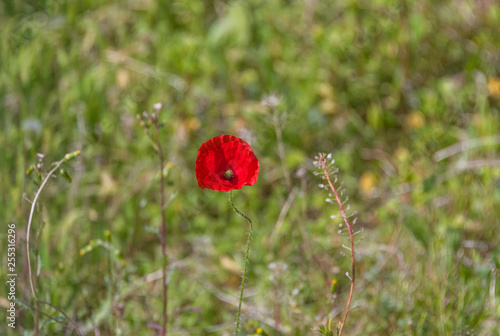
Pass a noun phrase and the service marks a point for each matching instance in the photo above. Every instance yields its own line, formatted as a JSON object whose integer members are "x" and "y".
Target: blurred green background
{"x": 385, "y": 86}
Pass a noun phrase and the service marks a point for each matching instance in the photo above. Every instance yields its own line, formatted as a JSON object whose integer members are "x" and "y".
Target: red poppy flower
{"x": 225, "y": 163}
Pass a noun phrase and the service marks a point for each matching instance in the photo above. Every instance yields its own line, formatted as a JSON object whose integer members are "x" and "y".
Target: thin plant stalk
{"x": 56, "y": 166}
{"x": 344, "y": 216}
{"x": 277, "y": 305}
{"x": 163, "y": 233}
{"x": 281, "y": 148}
{"x": 37, "y": 303}
{"x": 111, "y": 281}
{"x": 30, "y": 219}
{"x": 245, "y": 267}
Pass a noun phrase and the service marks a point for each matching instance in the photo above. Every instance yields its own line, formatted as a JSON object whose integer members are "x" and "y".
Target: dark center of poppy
{"x": 228, "y": 174}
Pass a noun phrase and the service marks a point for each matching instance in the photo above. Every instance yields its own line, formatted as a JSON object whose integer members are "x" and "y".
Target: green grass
{"x": 381, "y": 85}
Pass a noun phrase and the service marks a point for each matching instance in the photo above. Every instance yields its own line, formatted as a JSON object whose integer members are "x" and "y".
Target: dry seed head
{"x": 271, "y": 100}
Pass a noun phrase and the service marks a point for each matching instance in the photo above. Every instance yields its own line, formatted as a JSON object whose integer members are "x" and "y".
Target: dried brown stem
{"x": 163, "y": 233}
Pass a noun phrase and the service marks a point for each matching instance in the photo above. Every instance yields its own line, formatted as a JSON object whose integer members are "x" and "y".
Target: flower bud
{"x": 65, "y": 175}
{"x": 71, "y": 155}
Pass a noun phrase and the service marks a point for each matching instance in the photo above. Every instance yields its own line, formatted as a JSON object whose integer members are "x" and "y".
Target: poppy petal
{"x": 226, "y": 163}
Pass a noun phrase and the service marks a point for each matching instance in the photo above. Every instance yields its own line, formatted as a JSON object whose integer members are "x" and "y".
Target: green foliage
{"x": 384, "y": 85}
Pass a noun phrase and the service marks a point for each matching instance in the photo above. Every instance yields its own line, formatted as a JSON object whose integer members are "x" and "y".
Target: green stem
{"x": 245, "y": 269}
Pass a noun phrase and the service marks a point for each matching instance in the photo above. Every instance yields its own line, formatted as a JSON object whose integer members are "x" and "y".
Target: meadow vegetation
{"x": 405, "y": 95}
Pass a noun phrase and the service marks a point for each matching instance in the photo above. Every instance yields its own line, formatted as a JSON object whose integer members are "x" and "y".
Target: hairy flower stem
{"x": 245, "y": 268}
{"x": 163, "y": 234}
{"x": 344, "y": 216}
